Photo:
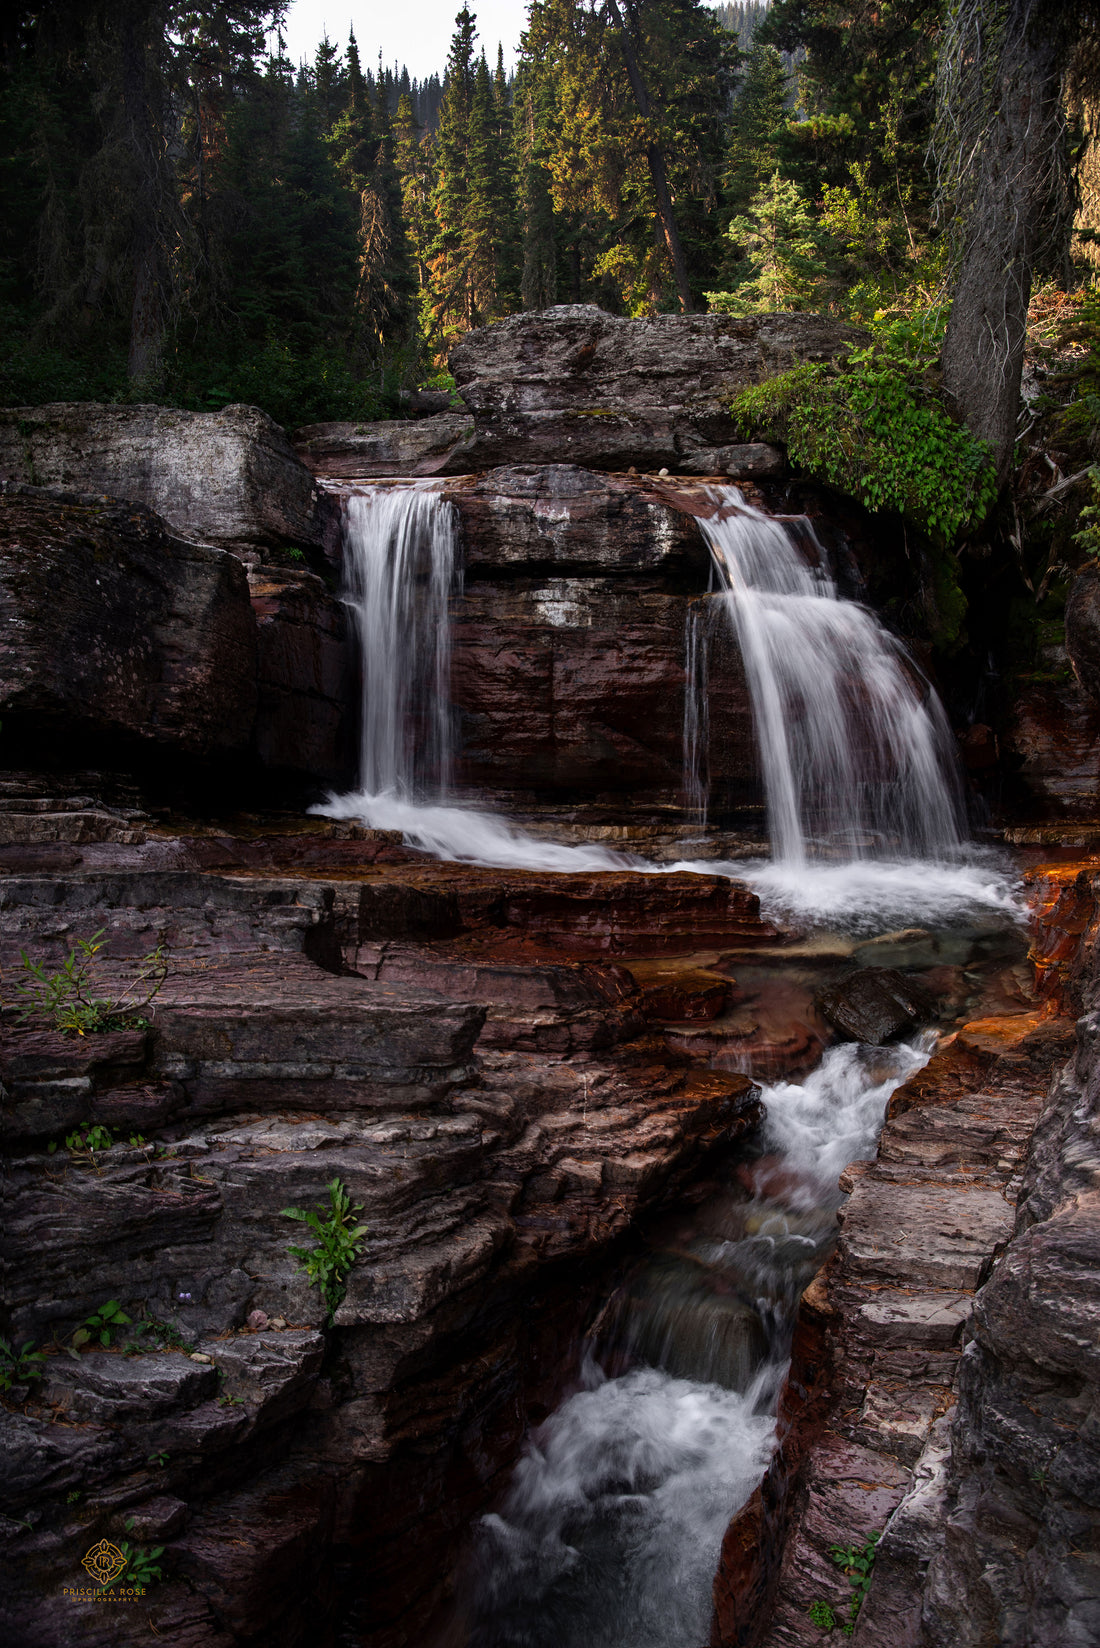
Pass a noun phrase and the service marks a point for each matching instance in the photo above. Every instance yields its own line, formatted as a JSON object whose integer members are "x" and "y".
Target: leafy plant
{"x": 92, "y": 1138}
{"x": 159, "y": 1459}
{"x": 141, "y": 1568}
{"x": 858, "y": 1563}
{"x": 66, "y": 1001}
{"x": 339, "y": 1242}
{"x": 1089, "y": 535}
{"x": 102, "y": 1324}
{"x": 87, "y": 1140}
{"x": 874, "y": 427}
{"x": 822, "y": 1614}
{"x": 19, "y": 1367}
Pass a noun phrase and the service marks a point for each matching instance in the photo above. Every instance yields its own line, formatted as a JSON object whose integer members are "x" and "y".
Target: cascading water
{"x": 853, "y": 744}
{"x": 401, "y": 570}
{"x": 610, "y": 1532}
{"x": 856, "y": 752}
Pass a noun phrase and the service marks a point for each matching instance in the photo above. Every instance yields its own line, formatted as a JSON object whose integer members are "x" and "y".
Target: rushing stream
{"x": 609, "y": 1534}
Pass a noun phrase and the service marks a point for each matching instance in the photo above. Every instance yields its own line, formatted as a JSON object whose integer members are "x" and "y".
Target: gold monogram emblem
{"x": 104, "y": 1562}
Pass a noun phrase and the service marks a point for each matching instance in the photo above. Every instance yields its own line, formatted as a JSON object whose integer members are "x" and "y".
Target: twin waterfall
{"x": 855, "y": 750}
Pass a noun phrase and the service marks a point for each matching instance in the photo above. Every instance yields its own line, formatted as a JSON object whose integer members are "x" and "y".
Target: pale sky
{"x": 414, "y": 32}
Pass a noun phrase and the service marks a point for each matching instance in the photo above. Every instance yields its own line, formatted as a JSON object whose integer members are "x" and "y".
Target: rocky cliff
{"x": 499, "y": 1096}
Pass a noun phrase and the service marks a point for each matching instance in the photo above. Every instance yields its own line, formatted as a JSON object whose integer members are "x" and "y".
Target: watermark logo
{"x": 104, "y": 1562}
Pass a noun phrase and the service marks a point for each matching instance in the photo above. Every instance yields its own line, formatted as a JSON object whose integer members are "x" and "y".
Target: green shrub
{"x": 339, "y": 1243}
{"x": 19, "y": 1367}
{"x": 65, "y": 1001}
{"x": 873, "y": 426}
{"x": 102, "y": 1325}
{"x": 142, "y": 1568}
{"x": 1088, "y": 537}
{"x": 858, "y": 1563}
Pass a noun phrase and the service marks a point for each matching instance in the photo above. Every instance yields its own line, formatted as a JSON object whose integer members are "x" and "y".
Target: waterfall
{"x": 400, "y": 572}
{"x": 855, "y": 750}
{"x": 863, "y": 808}
{"x": 696, "y": 712}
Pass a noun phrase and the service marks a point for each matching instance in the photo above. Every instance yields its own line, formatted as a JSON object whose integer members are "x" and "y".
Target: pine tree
{"x": 452, "y": 298}
{"x": 414, "y": 161}
{"x": 533, "y": 124}
{"x": 639, "y": 88}
{"x": 779, "y": 243}
{"x": 329, "y": 83}
{"x": 756, "y": 126}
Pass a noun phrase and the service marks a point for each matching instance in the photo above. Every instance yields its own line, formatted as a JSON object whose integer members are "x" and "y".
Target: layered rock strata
{"x": 568, "y": 675}
{"x": 576, "y": 384}
{"x": 462, "y": 1051}
{"x": 227, "y": 478}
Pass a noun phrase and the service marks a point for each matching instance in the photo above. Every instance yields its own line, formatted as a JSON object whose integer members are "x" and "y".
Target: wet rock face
{"x": 576, "y": 384}
{"x": 1053, "y": 742}
{"x": 874, "y": 1005}
{"x": 305, "y": 677}
{"x": 568, "y": 673}
{"x": 113, "y": 630}
{"x": 118, "y": 637}
{"x": 1011, "y": 1557}
{"x": 229, "y": 478}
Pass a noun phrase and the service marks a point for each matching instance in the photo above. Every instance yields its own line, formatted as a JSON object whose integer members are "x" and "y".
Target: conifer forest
{"x": 190, "y": 216}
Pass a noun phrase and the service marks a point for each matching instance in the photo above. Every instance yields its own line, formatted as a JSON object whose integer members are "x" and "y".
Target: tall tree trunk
{"x": 655, "y": 157}
{"x": 1011, "y": 193}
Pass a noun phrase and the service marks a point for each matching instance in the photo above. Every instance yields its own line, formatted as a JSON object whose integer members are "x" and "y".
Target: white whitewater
{"x": 610, "y": 1532}
{"x": 857, "y": 756}
{"x": 401, "y": 570}
{"x": 854, "y": 745}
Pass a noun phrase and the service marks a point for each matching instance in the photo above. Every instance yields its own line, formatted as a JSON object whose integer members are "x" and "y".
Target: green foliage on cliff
{"x": 339, "y": 1243}
{"x": 874, "y": 426}
{"x": 1088, "y": 537}
{"x": 64, "y": 1000}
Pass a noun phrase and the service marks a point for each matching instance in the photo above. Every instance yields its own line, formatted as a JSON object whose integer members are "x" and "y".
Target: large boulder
{"x": 422, "y": 446}
{"x": 229, "y": 478}
{"x": 574, "y": 384}
{"x": 112, "y": 631}
{"x": 874, "y": 1005}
